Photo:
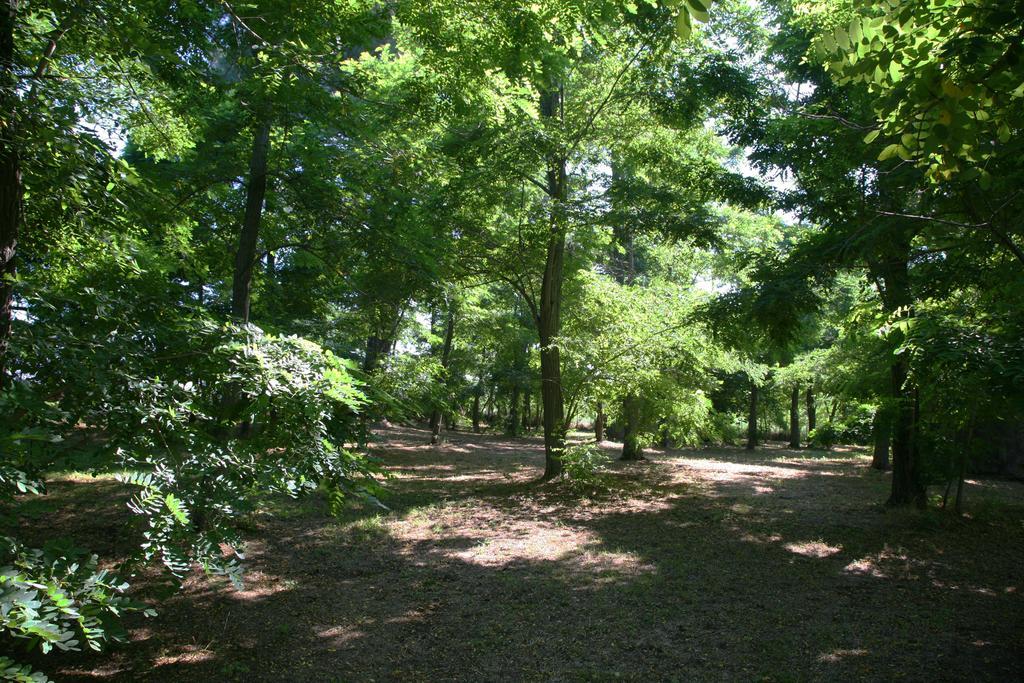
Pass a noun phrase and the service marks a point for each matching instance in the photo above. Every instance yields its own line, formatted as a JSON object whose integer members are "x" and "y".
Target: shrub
{"x": 200, "y": 419}
{"x": 582, "y": 465}
{"x": 825, "y": 436}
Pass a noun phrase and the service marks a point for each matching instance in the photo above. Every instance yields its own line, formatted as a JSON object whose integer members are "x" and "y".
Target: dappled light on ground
{"x": 813, "y": 549}
{"x": 705, "y": 565}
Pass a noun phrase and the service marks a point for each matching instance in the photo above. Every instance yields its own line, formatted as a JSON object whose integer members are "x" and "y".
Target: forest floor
{"x": 711, "y": 564}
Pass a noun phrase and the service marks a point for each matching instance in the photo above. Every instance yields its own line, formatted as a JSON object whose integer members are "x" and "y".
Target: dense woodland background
{"x": 238, "y": 237}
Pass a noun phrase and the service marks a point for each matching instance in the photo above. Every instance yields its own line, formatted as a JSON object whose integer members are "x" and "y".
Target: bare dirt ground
{"x": 716, "y": 564}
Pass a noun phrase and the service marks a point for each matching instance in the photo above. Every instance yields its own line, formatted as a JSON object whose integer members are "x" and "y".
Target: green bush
{"x": 56, "y": 597}
{"x": 582, "y": 465}
{"x": 825, "y": 437}
{"x": 200, "y": 419}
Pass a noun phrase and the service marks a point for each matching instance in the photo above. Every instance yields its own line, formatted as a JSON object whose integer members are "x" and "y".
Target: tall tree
{"x": 11, "y": 189}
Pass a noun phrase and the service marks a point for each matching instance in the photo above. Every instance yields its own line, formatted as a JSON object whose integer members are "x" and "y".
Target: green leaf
{"x": 872, "y": 136}
{"x": 683, "y": 26}
{"x": 177, "y": 508}
{"x": 889, "y": 152}
{"x": 698, "y": 10}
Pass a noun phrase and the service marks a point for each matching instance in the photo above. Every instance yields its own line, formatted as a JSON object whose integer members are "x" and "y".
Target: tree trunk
{"x": 446, "y": 352}
{"x": 906, "y": 485}
{"x": 812, "y": 412}
{"x": 375, "y": 349}
{"x": 794, "y": 418}
{"x": 961, "y": 473}
{"x": 526, "y": 409}
{"x": 631, "y": 413}
{"x": 599, "y": 423}
{"x": 881, "y": 430}
{"x": 752, "y": 419}
{"x": 245, "y": 256}
{"x": 904, "y": 488}
{"x": 897, "y": 298}
{"x": 513, "y": 412}
{"x": 623, "y": 254}
{"x": 549, "y": 319}
{"x": 476, "y": 410}
{"x": 12, "y": 189}
{"x": 385, "y": 321}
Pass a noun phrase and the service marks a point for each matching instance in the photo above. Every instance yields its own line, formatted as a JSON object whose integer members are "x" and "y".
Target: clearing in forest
{"x": 693, "y": 565}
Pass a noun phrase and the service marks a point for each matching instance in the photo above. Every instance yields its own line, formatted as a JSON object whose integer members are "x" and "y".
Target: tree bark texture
{"x": 752, "y": 419}
{"x": 812, "y": 412}
{"x": 549, "y": 318}
{"x": 881, "y": 430}
{"x": 446, "y": 353}
{"x": 897, "y": 299}
{"x": 245, "y": 256}
{"x": 632, "y": 408}
{"x": 526, "y": 409}
{"x": 11, "y": 187}
{"x": 513, "y": 412}
{"x": 476, "y": 410}
{"x": 794, "y": 418}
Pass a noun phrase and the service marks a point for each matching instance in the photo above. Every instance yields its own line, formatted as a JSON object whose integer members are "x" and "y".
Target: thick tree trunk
{"x": 376, "y": 348}
{"x": 631, "y": 412}
{"x": 11, "y": 187}
{"x": 549, "y": 319}
{"x": 812, "y": 412}
{"x": 794, "y": 418}
{"x": 906, "y": 486}
{"x": 386, "y": 321}
{"x": 245, "y": 256}
{"x": 752, "y": 419}
{"x": 551, "y": 397}
{"x": 446, "y": 353}
{"x": 897, "y": 297}
{"x": 880, "y": 433}
{"x": 599, "y": 423}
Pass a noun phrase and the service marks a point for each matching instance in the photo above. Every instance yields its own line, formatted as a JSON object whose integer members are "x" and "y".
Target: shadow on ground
{"x": 695, "y": 565}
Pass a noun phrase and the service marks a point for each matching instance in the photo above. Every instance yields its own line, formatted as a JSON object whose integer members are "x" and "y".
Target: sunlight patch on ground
{"x": 190, "y": 654}
{"x": 612, "y": 565}
{"x": 531, "y": 545}
{"x": 489, "y": 537}
{"x": 837, "y": 656}
{"x": 341, "y": 635}
{"x": 817, "y": 549}
{"x": 258, "y": 585}
{"x": 760, "y": 477}
{"x": 872, "y": 564}
{"x": 760, "y": 538}
{"x": 578, "y": 550}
